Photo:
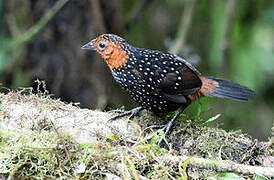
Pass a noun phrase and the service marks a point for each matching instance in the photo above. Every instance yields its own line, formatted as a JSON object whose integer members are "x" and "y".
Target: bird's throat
{"x": 117, "y": 59}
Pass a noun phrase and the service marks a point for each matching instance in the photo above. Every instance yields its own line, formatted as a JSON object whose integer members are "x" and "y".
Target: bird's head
{"x": 111, "y": 49}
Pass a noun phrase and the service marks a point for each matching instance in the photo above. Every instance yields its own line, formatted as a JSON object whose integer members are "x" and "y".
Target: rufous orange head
{"x": 111, "y": 49}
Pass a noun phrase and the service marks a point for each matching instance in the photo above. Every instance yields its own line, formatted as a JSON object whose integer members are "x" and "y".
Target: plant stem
{"x": 34, "y": 30}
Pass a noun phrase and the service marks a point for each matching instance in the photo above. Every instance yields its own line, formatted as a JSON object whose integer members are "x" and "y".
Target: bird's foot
{"x": 165, "y": 128}
{"x": 133, "y": 112}
{"x": 161, "y": 128}
{"x": 154, "y": 127}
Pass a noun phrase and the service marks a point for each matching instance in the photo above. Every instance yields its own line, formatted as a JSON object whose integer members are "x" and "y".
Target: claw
{"x": 165, "y": 128}
{"x": 131, "y": 113}
{"x": 155, "y": 127}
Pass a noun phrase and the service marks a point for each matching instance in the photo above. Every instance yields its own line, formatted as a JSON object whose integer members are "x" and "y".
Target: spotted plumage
{"x": 158, "y": 81}
{"x": 154, "y": 79}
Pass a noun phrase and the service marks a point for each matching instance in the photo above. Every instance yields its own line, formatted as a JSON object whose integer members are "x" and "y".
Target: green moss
{"x": 42, "y": 153}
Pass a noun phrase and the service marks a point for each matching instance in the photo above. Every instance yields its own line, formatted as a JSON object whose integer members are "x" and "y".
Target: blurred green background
{"x": 41, "y": 39}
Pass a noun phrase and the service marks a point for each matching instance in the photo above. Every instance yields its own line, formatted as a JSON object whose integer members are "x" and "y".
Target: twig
{"x": 113, "y": 17}
{"x": 11, "y": 22}
{"x": 15, "y": 169}
{"x": 97, "y": 16}
{"x": 220, "y": 165}
{"x": 34, "y": 30}
{"x": 137, "y": 12}
{"x": 230, "y": 14}
{"x": 183, "y": 27}
{"x": 63, "y": 141}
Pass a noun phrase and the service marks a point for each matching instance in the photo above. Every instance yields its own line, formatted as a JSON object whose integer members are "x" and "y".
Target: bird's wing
{"x": 183, "y": 80}
{"x": 180, "y": 83}
{"x": 190, "y": 66}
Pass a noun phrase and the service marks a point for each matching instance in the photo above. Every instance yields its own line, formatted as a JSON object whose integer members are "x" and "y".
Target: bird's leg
{"x": 167, "y": 127}
{"x": 116, "y": 111}
{"x": 131, "y": 113}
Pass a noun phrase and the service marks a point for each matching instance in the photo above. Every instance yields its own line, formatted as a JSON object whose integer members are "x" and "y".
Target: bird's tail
{"x": 222, "y": 88}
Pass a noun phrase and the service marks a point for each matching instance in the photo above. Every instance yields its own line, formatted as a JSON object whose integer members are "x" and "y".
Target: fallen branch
{"x": 220, "y": 165}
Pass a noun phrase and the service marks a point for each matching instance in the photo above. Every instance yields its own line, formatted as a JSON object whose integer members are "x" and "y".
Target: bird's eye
{"x": 102, "y": 45}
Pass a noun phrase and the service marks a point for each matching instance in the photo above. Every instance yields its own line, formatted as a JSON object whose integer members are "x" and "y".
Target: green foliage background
{"x": 52, "y": 53}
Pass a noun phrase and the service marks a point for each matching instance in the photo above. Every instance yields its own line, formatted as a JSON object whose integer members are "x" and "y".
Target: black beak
{"x": 89, "y": 46}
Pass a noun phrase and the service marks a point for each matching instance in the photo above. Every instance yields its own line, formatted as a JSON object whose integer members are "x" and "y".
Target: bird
{"x": 160, "y": 82}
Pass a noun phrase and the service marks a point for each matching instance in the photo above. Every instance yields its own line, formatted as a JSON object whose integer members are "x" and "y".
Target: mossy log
{"x": 35, "y": 129}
